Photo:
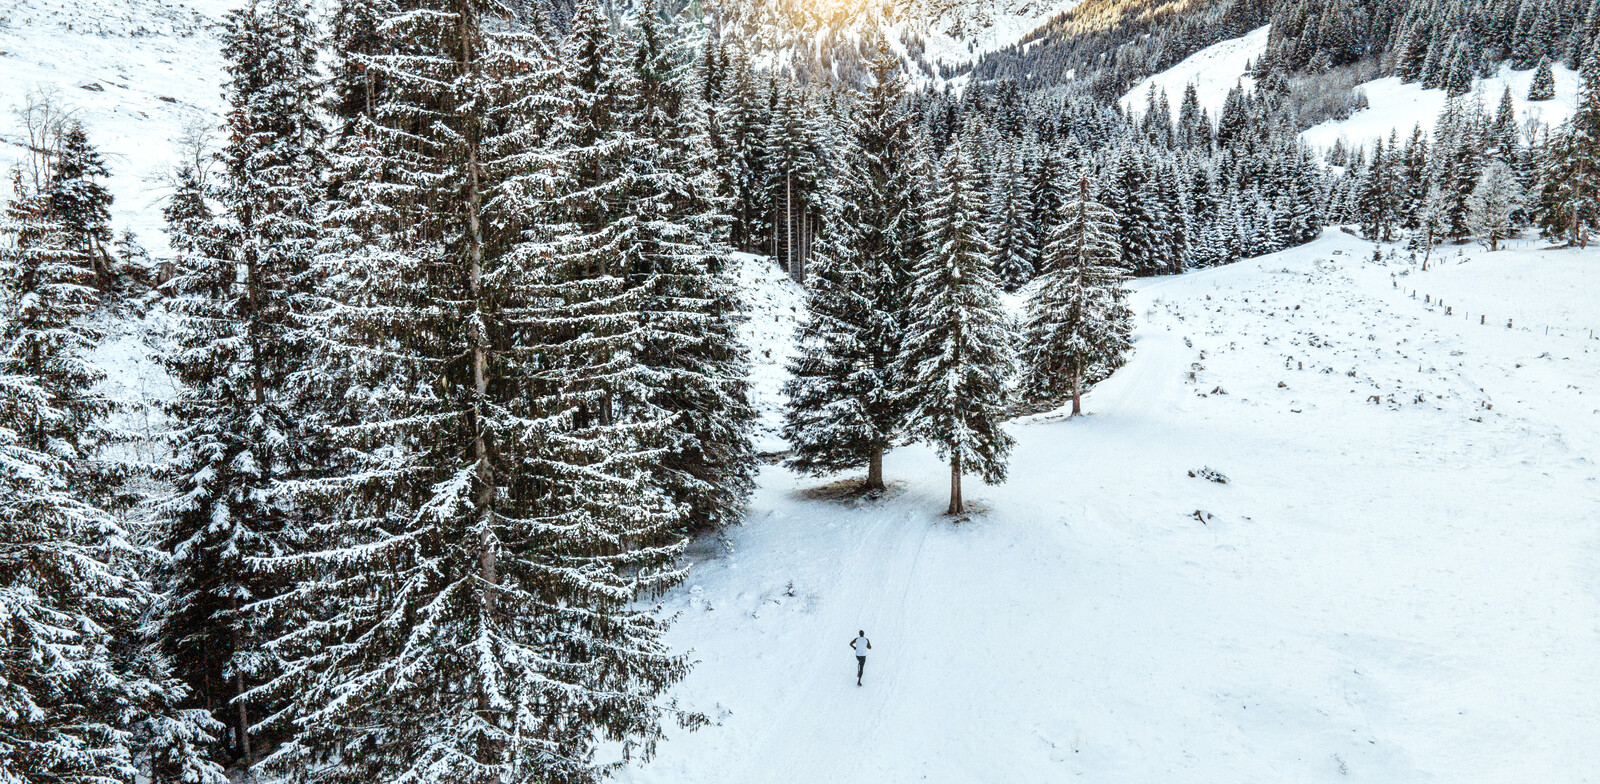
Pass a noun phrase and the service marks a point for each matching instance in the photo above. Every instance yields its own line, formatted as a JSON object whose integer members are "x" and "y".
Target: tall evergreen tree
{"x": 1046, "y": 171}
{"x": 49, "y": 286}
{"x": 1494, "y": 201}
{"x": 1504, "y": 135}
{"x": 1543, "y": 87}
{"x": 689, "y": 306}
{"x": 844, "y": 407}
{"x": 746, "y": 162}
{"x": 1569, "y": 202}
{"x": 957, "y": 353}
{"x": 1078, "y": 328}
{"x": 1194, "y": 126}
{"x": 243, "y": 278}
{"x": 1008, "y": 211}
{"x": 495, "y": 517}
{"x": 794, "y": 176}
{"x": 83, "y": 697}
{"x": 1378, "y": 199}
{"x": 59, "y": 690}
{"x": 82, "y": 205}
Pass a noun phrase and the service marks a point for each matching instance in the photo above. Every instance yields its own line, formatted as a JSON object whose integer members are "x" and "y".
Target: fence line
{"x": 1483, "y": 319}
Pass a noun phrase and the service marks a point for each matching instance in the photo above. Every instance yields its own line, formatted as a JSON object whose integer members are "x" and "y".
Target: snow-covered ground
{"x": 1396, "y": 584}
{"x": 136, "y": 72}
{"x": 1396, "y": 106}
{"x": 774, "y": 304}
{"x": 1213, "y": 71}
{"x": 951, "y": 34}
{"x": 1008, "y": 21}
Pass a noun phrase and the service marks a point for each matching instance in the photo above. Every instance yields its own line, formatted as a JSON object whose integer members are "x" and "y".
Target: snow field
{"x": 1213, "y": 71}
{"x": 1392, "y": 105}
{"x": 1009, "y": 21}
{"x": 1388, "y": 591}
{"x": 1395, "y": 106}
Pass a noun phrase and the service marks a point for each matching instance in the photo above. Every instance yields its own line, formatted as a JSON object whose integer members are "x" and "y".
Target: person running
{"x": 861, "y": 645}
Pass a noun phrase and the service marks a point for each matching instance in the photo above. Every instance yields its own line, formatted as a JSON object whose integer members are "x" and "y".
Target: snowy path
{"x": 1390, "y": 591}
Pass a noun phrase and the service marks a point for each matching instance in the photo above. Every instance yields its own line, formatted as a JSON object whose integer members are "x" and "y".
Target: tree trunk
{"x": 487, "y": 554}
{"x": 956, "y": 506}
{"x": 805, "y": 243}
{"x": 1077, "y": 390}
{"x": 238, "y": 689}
{"x": 244, "y": 720}
{"x": 875, "y": 469}
{"x": 788, "y": 224}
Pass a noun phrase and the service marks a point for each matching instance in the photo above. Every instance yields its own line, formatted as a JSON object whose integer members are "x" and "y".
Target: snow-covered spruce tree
{"x": 1194, "y": 125}
{"x": 792, "y": 154}
{"x": 746, "y": 166}
{"x": 82, "y": 205}
{"x": 1543, "y": 87}
{"x": 70, "y": 708}
{"x": 1378, "y": 199}
{"x": 1307, "y": 204}
{"x": 1045, "y": 175}
{"x": 840, "y": 411}
{"x": 1569, "y": 199}
{"x": 689, "y": 306}
{"x": 1493, "y": 203}
{"x": 191, "y": 226}
{"x": 1587, "y": 37}
{"x": 82, "y": 695}
{"x": 1456, "y": 163}
{"x": 1430, "y": 223}
{"x": 1008, "y": 210}
{"x": 58, "y": 693}
{"x": 241, "y": 280}
{"x": 1131, "y": 189}
{"x": 1078, "y": 329}
{"x": 843, "y": 409}
{"x": 957, "y": 352}
{"x": 1505, "y": 134}
{"x": 1459, "y": 69}
{"x": 46, "y": 335}
{"x": 494, "y": 518}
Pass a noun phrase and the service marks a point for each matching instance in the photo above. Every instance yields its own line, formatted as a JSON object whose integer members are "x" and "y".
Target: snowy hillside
{"x": 1408, "y": 514}
{"x": 136, "y": 72}
{"x": 1392, "y": 105}
{"x": 774, "y": 304}
{"x": 835, "y": 34}
{"x": 1396, "y": 106}
{"x": 1213, "y": 71}
{"x": 992, "y": 27}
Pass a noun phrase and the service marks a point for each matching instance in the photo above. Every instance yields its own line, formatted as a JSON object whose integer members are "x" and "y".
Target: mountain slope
{"x": 935, "y": 38}
{"x": 1397, "y": 106}
{"x": 136, "y": 72}
{"x": 1213, "y": 71}
{"x": 1105, "y": 46}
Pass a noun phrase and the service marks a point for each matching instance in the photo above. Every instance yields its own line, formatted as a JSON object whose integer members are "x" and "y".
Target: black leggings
{"x": 861, "y": 664}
